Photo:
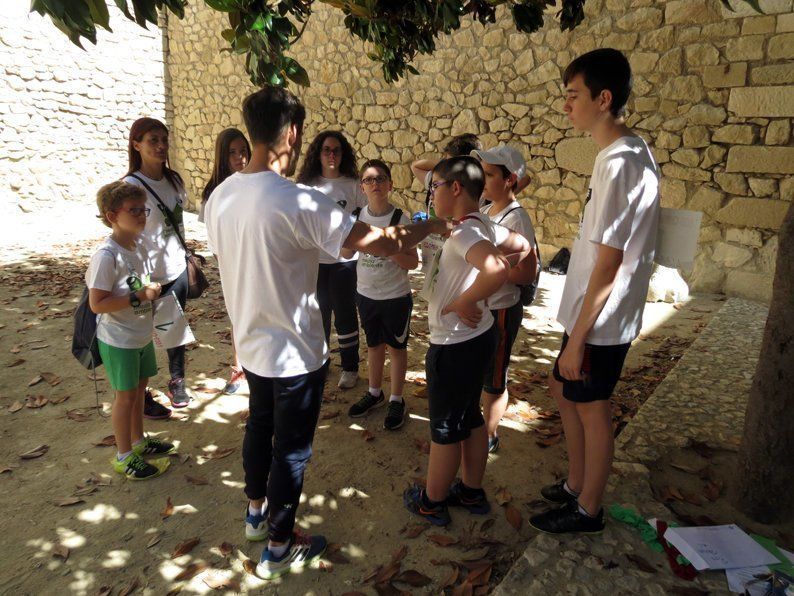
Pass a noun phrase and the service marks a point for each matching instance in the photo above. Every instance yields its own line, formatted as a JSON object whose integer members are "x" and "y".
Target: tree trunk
{"x": 765, "y": 485}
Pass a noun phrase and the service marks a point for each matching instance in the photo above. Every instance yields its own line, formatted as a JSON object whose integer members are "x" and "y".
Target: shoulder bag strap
{"x": 166, "y": 210}
{"x": 395, "y": 217}
{"x": 508, "y": 213}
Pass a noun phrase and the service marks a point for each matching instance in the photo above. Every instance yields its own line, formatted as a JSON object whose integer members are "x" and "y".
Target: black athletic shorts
{"x": 507, "y": 322}
{"x": 454, "y": 382}
{"x": 601, "y": 368}
{"x": 386, "y": 321}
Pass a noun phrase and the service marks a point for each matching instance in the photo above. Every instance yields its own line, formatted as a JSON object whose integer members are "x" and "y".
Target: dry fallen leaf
{"x": 60, "y": 552}
{"x": 367, "y": 436}
{"x": 85, "y": 491}
{"x": 154, "y": 540}
{"x": 513, "y": 516}
{"x": 105, "y": 591}
{"x": 59, "y": 400}
{"x": 77, "y": 415}
{"x": 451, "y": 578}
{"x": 464, "y": 589}
{"x": 108, "y": 441}
{"x": 68, "y": 501}
{"x": 479, "y": 576}
{"x": 52, "y": 380}
{"x": 503, "y": 496}
{"x": 328, "y": 415}
{"x": 196, "y": 480}
{"x": 35, "y": 380}
{"x": 219, "y": 453}
{"x": 36, "y": 401}
{"x": 15, "y": 407}
{"x": 35, "y": 452}
{"x": 16, "y": 362}
{"x": 169, "y": 509}
{"x": 641, "y": 563}
{"x": 399, "y": 553}
{"x": 442, "y": 540}
{"x": 185, "y": 547}
{"x": 226, "y": 549}
{"x": 415, "y": 530}
{"x": 190, "y": 571}
{"x": 129, "y": 588}
{"x": 412, "y": 578}
{"x": 386, "y": 573}
{"x": 249, "y": 566}
{"x": 217, "y": 582}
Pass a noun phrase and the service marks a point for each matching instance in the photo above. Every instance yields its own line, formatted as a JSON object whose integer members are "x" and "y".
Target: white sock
{"x": 257, "y": 510}
{"x": 139, "y": 441}
{"x": 396, "y": 397}
{"x": 583, "y": 511}
{"x": 569, "y": 490}
{"x": 123, "y": 456}
{"x": 374, "y": 391}
{"x": 278, "y": 551}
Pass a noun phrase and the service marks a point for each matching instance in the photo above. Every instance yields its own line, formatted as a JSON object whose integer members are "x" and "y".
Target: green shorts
{"x": 127, "y": 366}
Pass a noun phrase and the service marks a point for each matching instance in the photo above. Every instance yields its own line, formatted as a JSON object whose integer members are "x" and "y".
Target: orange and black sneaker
{"x": 471, "y": 499}
{"x": 416, "y": 502}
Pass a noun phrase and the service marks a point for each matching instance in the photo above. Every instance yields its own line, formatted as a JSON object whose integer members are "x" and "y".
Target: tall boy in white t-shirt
{"x": 605, "y": 288}
{"x": 469, "y": 268}
{"x": 384, "y": 300}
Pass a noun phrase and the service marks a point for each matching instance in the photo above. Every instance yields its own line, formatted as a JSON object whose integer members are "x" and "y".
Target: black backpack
{"x": 84, "y": 343}
{"x": 559, "y": 264}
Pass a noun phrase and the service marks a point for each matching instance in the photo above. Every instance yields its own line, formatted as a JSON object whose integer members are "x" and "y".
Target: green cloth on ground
{"x": 631, "y": 518}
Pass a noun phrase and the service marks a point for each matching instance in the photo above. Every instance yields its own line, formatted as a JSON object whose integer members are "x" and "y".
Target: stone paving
{"x": 702, "y": 398}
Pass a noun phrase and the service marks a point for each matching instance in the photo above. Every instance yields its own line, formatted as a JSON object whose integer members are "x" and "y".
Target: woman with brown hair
{"x": 163, "y": 237}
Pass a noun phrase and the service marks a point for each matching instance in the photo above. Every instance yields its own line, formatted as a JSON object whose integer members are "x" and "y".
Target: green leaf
{"x": 228, "y": 35}
{"x": 122, "y": 5}
{"x": 222, "y": 5}
{"x": 99, "y": 13}
{"x": 296, "y": 73}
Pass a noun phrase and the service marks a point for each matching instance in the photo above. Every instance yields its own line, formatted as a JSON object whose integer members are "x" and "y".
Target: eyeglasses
{"x": 435, "y": 185}
{"x": 137, "y": 211}
{"x": 335, "y": 151}
{"x": 370, "y": 180}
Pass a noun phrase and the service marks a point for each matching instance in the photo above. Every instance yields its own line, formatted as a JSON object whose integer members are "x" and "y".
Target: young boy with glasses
{"x": 120, "y": 292}
{"x": 384, "y": 300}
{"x": 469, "y": 268}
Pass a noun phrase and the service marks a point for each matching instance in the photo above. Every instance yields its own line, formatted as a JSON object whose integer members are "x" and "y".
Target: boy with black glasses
{"x": 384, "y": 300}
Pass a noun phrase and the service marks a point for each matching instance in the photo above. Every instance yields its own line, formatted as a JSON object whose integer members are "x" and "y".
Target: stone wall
{"x": 66, "y": 112}
{"x": 713, "y": 96}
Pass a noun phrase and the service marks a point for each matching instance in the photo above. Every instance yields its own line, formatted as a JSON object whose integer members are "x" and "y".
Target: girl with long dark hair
{"x": 330, "y": 166}
{"x": 232, "y": 153}
{"x": 165, "y": 196}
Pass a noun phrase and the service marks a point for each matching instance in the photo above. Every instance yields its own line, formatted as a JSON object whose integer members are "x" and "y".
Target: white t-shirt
{"x": 451, "y": 274}
{"x": 622, "y": 211}
{"x": 348, "y": 195}
{"x": 513, "y": 217}
{"x": 165, "y": 250}
{"x": 268, "y": 233}
{"x": 380, "y": 278}
{"x": 109, "y": 269}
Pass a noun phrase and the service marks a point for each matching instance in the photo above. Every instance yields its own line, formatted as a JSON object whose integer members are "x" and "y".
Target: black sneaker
{"x": 493, "y": 444}
{"x": 437, "y": 515}
{"x": 365, "y": 404}
{"x": 566, "y": 519}
{"x": 478, "y": 505}
{"x": 556, "y": 493}
{"x": 176, "y": 392}
{"x": 153, "y": 409}
{"x": 395, "y": 415}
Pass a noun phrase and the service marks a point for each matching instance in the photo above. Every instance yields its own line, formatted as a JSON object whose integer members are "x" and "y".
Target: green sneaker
{"x": 153, "y": 446}
{"x": 135, "y": 468}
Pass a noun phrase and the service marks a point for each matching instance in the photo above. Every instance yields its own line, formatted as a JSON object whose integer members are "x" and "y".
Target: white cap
{"x": 503, "y": 155}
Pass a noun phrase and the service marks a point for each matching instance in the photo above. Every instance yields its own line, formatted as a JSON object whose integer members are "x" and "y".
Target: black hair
{"x": 466, "y": 171}
{"x": 463, "y": 145}
{"x": 378, "y": 164}
{"x": 269, "y": 111}
{"x": 312, "y": 167}
{"x": 602, "y": 69}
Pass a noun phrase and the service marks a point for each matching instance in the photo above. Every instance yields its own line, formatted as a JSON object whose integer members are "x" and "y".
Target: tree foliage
{"x": 265, "y": 30}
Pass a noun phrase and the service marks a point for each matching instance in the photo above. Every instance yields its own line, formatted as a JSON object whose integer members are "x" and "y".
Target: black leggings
{"x": 176, "y": 356}
{"x": 336, "y": 293}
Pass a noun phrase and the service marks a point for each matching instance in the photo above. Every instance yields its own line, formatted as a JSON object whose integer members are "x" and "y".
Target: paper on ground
{"x": 719, "y": 547}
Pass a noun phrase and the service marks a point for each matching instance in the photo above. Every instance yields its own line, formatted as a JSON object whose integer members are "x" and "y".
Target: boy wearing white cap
{"x": 504, "y": 167}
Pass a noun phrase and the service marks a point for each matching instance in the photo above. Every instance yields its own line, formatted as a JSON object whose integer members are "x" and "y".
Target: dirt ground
{"x": 71, "y": 526}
